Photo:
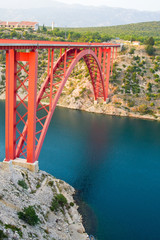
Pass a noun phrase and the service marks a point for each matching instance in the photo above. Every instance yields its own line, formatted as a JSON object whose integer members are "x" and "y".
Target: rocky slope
{"x": 134, "y": 88}
{"x": 20, "y": 189}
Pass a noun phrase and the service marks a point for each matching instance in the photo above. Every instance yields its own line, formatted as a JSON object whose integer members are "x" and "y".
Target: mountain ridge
{"x": 76, "y": 15}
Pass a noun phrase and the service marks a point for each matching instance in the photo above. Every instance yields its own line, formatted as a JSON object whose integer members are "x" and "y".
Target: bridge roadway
{"x": 6, "y": 44}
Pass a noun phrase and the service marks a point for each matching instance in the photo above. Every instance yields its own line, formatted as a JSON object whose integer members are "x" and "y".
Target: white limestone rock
{"x": 65, "y": 224}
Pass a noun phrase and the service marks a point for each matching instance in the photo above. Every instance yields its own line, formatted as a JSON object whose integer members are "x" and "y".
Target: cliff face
{"x": 37, "y": 206}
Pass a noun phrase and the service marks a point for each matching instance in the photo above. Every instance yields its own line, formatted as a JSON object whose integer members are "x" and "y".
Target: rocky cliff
{"x": 37, "y": 206}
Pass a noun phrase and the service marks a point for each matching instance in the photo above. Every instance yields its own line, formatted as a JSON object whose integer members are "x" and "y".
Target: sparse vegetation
{"x": 29, "y": 216}
{"x": 2, "y": 235}
{"x": 59, "y": 201}
{"x": 14, "y": 229}
{"x": 23, "y": 184}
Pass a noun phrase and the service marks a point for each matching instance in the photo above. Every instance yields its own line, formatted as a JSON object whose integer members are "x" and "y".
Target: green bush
{"x": 71, "y": 204}
{"x": 150, "y": 50}
{"x": 29, "y": 216}
{"x": 2, "y": 235}
{"x": 23, "y": 184}
{"x": 149, "y": 87}
{"x": 152, "y": 104}
{"x": 50, "y": 183}
{"x": 14, "y": 229}
{"x": 150, "y": 41}
{"x": 58, "y": 201}
{"x": 143, "y": 109}
{"x": 38, "y": 185}
{"x": 131, "y": 103}
{"x": 132, "y": 51}
{"x": 152, "y": 70}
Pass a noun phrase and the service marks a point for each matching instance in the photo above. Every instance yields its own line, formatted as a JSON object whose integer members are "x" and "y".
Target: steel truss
{"x": 29, "y": 112}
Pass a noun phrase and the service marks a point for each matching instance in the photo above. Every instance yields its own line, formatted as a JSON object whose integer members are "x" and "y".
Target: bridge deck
{"x": 6, "y": 44}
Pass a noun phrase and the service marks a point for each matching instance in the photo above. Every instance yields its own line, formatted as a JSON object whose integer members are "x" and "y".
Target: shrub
{"x": 152, "y": 70}
{"x": 131, "y": 103}
{"x": 143, "y": 109}
{"x": 150, "y": 50}
{"x": 38, "y": 185}
{"x": 58, "y": 201}
{"x": 2, "y": 235}
{"x": 152, "y": 104}
{"x": 156, "y": 76}
{"x": 71, "y": 204}
{"x": 83, "y": 90}
{"x": 29, "y": 216}
{"x": 14, "y": 229}
{"x": 50, "y": 183}
{"x": 132, "y": 51}
{"x": 149, "y": 87}
{"x": 148, "y": 98}
{"x": 157, "y": 80}
{"x": 23, "y": 184}
{"x": 150, "y": 41}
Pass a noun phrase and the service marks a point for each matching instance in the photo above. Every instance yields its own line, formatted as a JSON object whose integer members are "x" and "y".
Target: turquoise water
{"x": 114, "y": 162}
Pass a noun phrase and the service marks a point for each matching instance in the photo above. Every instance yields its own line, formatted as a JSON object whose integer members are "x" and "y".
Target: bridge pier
{"x": 33, "y": 167}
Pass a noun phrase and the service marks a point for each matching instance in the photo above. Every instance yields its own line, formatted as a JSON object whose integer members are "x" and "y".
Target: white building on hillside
{"x": 22, "y": 24}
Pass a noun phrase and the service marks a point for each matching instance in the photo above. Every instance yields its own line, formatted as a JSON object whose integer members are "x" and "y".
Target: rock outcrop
{"x": 20, "y": 189}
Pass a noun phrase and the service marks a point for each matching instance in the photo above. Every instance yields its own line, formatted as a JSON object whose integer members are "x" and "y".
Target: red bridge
{"x": 25, "y": 129}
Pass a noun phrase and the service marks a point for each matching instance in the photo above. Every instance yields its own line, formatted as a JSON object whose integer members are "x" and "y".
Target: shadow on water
{"x": 90, "y": 221}
{"x": 95, "y": 154}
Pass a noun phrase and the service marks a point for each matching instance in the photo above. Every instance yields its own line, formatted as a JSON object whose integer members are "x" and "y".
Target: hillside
{"x": 137, "y": 31}
{"x": 134, "y": 88}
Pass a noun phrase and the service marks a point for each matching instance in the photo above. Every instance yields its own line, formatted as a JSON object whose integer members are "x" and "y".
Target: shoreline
{"x": 117, "y": 114}
{"x": 133, "y": 116}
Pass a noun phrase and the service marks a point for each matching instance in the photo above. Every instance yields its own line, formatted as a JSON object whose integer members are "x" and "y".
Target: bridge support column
{"x": 12, "y": 57}
{"x": 112, "y": 60}
{"x": 108, "y": 70}
{"x": 10, "y": 115}
{"x": 32, "y": 96}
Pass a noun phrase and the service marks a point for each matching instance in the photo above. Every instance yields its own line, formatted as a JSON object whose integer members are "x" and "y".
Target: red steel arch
{"x": 28, "y": 114}
{"x": 98, "y": 85}
{"x": 61, "y": 72}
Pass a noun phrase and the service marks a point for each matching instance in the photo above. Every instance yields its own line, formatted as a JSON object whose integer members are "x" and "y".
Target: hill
{"x": 137, "y": 31}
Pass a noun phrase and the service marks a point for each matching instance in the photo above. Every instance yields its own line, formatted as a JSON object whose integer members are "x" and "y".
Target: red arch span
{"x": 98, "y": 84}
{"x": 52, "y": 88}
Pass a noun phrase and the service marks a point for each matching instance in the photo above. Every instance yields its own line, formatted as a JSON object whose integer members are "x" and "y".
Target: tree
{"x": 150, "y": 50}
{"x": 149, "y": 87}
{"x": 150, "y": 41}
{"x": 132, "y": 51}
{"x": 69, "y": 37}
{"x": 44, "y": 29}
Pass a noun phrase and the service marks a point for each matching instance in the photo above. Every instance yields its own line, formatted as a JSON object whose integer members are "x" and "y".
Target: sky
{"x": 153, "y": 5}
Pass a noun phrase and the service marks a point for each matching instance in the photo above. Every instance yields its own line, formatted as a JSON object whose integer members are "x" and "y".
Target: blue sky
{"x": 150, "y": 5}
